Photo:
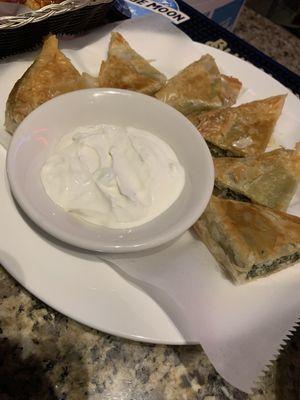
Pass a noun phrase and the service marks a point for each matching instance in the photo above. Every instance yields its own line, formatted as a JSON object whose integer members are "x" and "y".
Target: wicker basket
{"x": 26, "y": 31}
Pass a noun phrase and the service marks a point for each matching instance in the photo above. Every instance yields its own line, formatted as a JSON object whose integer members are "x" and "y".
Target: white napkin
{"x": 241, "y": 328}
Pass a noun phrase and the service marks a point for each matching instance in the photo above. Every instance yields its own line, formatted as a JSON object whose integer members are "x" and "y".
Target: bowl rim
{"x": 68, "y": 238}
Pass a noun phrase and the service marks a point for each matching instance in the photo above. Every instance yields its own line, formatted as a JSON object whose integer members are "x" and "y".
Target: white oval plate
{"x": 79, "y": 285}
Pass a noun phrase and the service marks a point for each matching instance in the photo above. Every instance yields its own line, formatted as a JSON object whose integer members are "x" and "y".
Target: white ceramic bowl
{"x": 39, "y": 133}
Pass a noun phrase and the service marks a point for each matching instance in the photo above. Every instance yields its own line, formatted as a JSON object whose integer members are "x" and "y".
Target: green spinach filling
{"x": 218, "y": 152}
{"x": 271, "y": 266}
{"x": 226, "y": 193}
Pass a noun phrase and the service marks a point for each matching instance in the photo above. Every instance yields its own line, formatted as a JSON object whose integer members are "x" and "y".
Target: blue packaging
{"x": 224, "y": 12}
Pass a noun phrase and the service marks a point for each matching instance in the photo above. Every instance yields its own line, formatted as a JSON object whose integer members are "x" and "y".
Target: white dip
{"x": 113, "y": 176}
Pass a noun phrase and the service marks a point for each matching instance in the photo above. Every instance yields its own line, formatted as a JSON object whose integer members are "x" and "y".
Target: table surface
{"x": 50, "y": 357}
{"x": 271, "y": 39}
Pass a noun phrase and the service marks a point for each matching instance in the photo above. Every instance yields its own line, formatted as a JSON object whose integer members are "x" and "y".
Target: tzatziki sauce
{"x": 113, "y": 176}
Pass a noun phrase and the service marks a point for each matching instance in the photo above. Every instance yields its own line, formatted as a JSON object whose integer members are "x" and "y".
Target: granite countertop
{"x": 271, "y": 39}
{"x": 46, "y": 356}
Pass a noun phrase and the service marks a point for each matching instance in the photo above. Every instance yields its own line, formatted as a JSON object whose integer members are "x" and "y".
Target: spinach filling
{"x": 218, "y": 152}
{"x": 226, "y": 193}
{"x": 271, "y": 266}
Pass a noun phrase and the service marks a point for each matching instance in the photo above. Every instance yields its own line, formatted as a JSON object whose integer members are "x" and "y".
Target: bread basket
{"x": 24, "y": 32}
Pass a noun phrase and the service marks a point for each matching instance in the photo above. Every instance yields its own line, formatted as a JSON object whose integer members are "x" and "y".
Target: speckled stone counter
{"x": 271, "y": 39}
{"x": 46, "y": 356}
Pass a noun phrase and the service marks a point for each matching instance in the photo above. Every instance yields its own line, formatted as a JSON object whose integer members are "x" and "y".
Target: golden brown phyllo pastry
{"x": 126, "y": 69}
{"x": 269, "y": 179}
{"x": 249, "y": 241}
{"x": 231, "y": 88}
{"x": 239, "y": 131}
{"x": 200, "y": 86}
{"x": 51, "y": 74}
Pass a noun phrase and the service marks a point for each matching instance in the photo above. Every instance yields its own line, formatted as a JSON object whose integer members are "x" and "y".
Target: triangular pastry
{"x": 249, "y": 241}
{"x": 126, "y": 69}
{"x": 200, "y": 86}
{"x": 51, "y": 74}
{"x": 239, "y": 131}
{"x": 269, "y": 179}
